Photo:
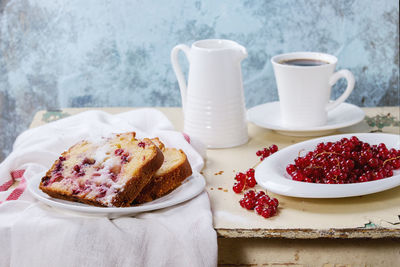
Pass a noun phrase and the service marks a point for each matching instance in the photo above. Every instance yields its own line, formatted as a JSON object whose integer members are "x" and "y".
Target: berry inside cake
{"x": 108, "y": 172}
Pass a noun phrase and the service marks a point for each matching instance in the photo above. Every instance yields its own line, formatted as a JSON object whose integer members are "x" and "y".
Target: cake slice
{"x": 106, "y": 172}
{"x": 174, "y": 170}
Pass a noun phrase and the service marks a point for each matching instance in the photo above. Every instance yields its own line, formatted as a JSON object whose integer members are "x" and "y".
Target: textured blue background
{"x": 70, "y": 53}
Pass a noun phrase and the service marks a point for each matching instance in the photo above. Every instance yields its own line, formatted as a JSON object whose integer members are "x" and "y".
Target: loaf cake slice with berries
{"x": 107, "y": 172}
{"x": 174, "y": 170}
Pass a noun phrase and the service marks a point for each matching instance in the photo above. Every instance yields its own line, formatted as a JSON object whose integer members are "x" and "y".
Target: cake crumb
{"x": 225, "y": 190}
{"x": 212, "y": 188}
{"x": 219, "y": 173}
{"x": 201, "y": 173}
{"x": 220, "y": 188}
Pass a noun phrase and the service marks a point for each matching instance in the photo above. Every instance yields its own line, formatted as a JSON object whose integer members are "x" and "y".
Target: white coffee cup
{"x": 304, "y": 90}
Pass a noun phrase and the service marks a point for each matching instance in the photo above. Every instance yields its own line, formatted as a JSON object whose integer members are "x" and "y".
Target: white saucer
{"x": 268, "y": 116}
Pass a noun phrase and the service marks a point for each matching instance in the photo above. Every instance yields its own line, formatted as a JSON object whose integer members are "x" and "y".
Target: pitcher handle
{"x": 178, "y": 71}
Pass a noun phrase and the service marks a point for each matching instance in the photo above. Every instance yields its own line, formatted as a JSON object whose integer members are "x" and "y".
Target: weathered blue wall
{"x": 74, "y": 53}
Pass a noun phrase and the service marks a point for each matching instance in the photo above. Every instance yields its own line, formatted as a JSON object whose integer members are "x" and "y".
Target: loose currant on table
{"x": 252, "y": 200}
{"x": 244, "y": 181}
{"x": 260, "y": 202}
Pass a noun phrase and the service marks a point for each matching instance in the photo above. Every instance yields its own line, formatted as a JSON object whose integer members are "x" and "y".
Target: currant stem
{"x": 327, "y": 152}
{"x": 298, "y": 155}
{"x": 383, "y": 164}
{"x": 257, "y": 164}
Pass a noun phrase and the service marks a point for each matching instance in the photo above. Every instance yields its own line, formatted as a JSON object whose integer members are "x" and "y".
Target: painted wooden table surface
{"x": 367, "y": 226}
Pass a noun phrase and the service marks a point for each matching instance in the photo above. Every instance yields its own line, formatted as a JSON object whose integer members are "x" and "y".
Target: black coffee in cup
{"x": 303, "y": 62}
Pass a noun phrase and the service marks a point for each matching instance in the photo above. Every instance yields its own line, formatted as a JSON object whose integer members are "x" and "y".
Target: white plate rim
{"x": 279, "y": 183}
{"x": 191, "y": 187}
{"x": 264, "y": 124}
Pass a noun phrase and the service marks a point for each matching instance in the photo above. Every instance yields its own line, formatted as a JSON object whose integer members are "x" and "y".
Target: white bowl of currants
{"x": 333, "y": 166}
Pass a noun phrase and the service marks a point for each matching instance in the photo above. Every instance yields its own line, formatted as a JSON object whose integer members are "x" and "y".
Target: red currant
{"x": 250, "y": 194}
{"x": 273, "y": 148}
{"x": 291, "y": 168}
{"x": 266, "y": 213}
{"x": 260, "y": 202}
{"x": 259, "y": 209}
{"x": 250, "y": 172}
{"x": 266, "y": 152}
{"x": 240, "y": 177}
{"x": 249, "y": 203}
{"x": 238, "y": 187}
{"x": 259, "y": 194}
{"x": 251, "y": 182}
{"x": 242, "y": 204}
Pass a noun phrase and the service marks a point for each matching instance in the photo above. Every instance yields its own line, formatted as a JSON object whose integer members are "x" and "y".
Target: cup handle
{"x": 178, "y": 71}
{"x": 350, "y": 85}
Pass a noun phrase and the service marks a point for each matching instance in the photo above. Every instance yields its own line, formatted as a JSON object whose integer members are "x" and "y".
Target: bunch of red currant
{"x": 258, "y": 201}
{"x": 345, "y": 161}
{"x": 244, "y": 181}
{"x": 266, "y": 152}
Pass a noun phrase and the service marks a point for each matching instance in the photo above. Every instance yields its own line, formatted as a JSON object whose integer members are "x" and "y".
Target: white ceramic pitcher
{"x": 213, "y": 101}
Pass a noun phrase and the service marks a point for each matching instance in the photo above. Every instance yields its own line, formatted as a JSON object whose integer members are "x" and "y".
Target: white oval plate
{"x": 190, "y": 188}
{"x": 271, "y": 173}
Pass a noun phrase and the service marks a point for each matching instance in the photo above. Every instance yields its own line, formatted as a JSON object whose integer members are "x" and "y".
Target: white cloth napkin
{"x": 33, "y": 234}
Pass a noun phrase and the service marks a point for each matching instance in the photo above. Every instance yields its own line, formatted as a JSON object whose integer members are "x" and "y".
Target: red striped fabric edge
{"x": 6, "y": 185}
{"x": 19, "y": 190}
{"x": 187, "y": 137}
